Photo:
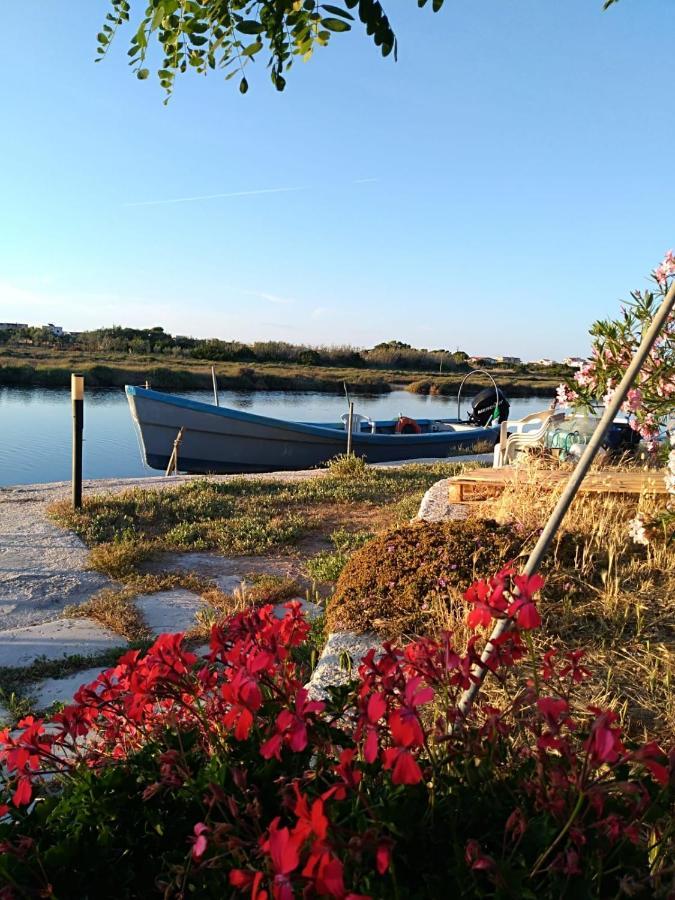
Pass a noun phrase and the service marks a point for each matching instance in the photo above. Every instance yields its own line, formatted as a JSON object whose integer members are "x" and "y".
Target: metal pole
{"x": 565, "y": 501}
{"x": 215, "y": 386}
{"x": 77, "y": 396}
{"x": 350, "y": 418}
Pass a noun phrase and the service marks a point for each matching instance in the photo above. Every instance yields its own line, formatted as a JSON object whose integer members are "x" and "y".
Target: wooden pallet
{"x": 483, "y": 483}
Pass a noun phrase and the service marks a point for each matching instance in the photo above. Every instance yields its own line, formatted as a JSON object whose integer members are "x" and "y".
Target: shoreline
{"x": 45, "y": 371}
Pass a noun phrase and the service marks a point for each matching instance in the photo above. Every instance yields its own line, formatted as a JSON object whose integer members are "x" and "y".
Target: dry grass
{"x": 115, "y": 609}
{"x": 604, "y": 594}
{"x": 614, "y": 598}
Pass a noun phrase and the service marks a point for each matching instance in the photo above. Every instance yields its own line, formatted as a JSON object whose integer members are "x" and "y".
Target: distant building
{"x": 576, "y": 362}
{"x": 482, "y": 360}
{"x": 510, "y": 360}
{"x": 544, "y": 362}
{"x": 56, "y": 330}
{"x": 12, "y": 326}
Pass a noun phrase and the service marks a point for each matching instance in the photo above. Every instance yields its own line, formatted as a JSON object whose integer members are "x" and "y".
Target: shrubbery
{"x": 176, "y": 776}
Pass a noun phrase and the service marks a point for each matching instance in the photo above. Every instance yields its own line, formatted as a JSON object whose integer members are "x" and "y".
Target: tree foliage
{"x": 229, "y": 34}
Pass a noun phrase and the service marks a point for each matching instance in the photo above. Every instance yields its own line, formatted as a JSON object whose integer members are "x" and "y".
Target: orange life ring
{"x": 407, "y": 426}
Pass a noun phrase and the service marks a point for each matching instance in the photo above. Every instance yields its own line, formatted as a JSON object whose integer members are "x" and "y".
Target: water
{"x": 35, "y": 425}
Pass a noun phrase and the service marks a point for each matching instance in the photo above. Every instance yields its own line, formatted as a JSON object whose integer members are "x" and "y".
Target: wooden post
{"x": 350, "y": 419}
{"x": 172, "y": 468}
{"x": 215, "y": 386}
{"x": 77, "y": 396}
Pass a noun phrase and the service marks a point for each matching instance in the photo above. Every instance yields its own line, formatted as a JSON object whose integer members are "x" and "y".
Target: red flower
{"x": 383, "y": 855}
{"x": 553, "y": 710}
{"x": 199, "y": 841}
{"x": 488, "y": 598}
{"x": 283, "y": 847}
{"x": 311, "y": 820}
{"x": 647, "y": 755}
{"x": 475, "y": 858}
{"x": 23, "y": 792}
{"x": 325, "y": 870}
{"x": 244, "y": 697}
{"x": 573, "y": 669}
{"x": 243, "y": 880}
{"x": 604, "y": 744}
{"x": 405, "y": 769}
{"x": 291, "y": 726}
{"x": 525, "y": 613}
{"x": 404, "y": 723}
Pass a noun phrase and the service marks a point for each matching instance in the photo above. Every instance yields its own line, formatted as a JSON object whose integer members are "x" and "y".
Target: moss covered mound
{"x": 397, "y": 583}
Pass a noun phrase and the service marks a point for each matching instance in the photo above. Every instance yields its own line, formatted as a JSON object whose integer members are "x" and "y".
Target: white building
{"x": 544, "y": 362}
{"x": 482, "y": 360}
{"x": 56, "y": 330}
{"x": 12, "y": 326}
{"x": 510, "y": 360}
{"x": 576, "y": 362}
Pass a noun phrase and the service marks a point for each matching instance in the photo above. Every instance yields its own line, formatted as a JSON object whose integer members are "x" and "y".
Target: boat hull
{"x": 217, "y": 440}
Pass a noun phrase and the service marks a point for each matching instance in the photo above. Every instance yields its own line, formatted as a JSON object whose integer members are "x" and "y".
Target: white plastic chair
{"x": 357, "y": 420}
{"x": 526, "y": 432}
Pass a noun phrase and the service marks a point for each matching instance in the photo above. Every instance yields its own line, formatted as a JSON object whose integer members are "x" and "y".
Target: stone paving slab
{"x": 60, "y": 690}
{"x": 54, "y": 640}
{"x": 169, "y": 611}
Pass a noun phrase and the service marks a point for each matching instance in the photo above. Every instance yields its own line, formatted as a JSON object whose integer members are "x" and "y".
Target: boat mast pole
{"x": 613, "y": 407}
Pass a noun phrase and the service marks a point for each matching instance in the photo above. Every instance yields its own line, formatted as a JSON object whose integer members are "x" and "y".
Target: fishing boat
{"x": 212, "y": 439}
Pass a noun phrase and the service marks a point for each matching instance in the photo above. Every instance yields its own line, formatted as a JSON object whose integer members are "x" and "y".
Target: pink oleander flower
{"x": 666, "y": 269}
{"x": 633, "y": 401}
{"x": 564, "y": 396}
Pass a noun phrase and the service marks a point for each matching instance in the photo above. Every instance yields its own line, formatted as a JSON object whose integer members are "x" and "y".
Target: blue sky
{"x": 499, "y": 188}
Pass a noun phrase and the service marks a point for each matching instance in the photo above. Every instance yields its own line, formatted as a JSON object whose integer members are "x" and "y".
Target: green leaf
{"x": 436, "y": 5}
{"x": 336, "y": 11}
{"x": 157, "y": 18}
{"x": 250, "y": 27}
{"x": 243, "y": 86}
{"x": 142, "y": 74}
{"x": 336, "y": 24}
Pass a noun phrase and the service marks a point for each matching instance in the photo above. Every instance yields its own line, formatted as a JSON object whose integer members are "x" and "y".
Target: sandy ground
{"x": 42, "y": 567}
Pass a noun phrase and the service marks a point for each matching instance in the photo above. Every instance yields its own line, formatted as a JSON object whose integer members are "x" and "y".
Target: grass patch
{"x": 115, "y": 609}
{"x": 240, "y": 516}
{"x": 327, "y": 565}
{"x": 262, "y": 589}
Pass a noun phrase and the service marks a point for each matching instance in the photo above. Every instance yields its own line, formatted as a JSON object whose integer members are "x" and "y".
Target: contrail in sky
{"x": 277, "y": 190}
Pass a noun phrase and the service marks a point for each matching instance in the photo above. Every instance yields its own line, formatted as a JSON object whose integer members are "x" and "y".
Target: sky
{"x": 505, "y": 183}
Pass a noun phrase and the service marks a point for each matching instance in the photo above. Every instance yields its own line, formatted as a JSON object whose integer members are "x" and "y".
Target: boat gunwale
{"x": 306, "y": 427}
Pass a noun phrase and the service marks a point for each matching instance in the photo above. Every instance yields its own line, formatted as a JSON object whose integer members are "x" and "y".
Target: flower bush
{"x": 614, "y": 343}
{"x": 173, "y": 775}
{"x": 651, "y": 400}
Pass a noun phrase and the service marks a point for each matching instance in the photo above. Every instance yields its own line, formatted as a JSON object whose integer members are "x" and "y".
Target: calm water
{"x": 35, "y": 425}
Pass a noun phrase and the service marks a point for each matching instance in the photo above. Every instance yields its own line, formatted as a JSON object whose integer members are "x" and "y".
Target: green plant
{"x": 327, "y": 565}
{"x": 180, "y": 776}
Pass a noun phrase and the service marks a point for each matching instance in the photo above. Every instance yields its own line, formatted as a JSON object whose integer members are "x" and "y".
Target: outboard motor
{"x": 483, "y": 407}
